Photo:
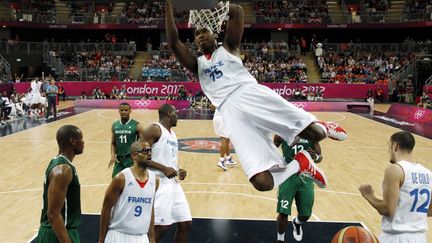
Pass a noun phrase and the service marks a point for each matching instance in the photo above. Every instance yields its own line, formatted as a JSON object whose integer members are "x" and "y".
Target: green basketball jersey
{"x": 71, "y": 211}
{"x": 290, "y": 151}
{"x": 125, "y": 135}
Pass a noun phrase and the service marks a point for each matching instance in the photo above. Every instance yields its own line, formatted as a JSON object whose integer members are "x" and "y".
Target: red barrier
{"x": 286, "y": 90}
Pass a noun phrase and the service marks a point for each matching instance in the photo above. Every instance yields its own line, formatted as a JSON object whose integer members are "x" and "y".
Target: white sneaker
{"x": 230, "y": 162}
{"x": 221, "y": 164}
{"x": 297, "y": 231}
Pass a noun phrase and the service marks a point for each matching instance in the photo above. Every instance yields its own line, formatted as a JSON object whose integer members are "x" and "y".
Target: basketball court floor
{"x": 225, "y": 207}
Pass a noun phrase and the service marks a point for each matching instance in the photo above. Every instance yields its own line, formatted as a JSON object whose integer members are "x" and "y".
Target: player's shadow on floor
{"x": 231, "y": 231}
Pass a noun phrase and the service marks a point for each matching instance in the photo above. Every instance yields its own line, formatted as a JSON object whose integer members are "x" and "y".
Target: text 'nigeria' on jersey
{"x": 122, "y": 131}
{"x": 213, "y": 71}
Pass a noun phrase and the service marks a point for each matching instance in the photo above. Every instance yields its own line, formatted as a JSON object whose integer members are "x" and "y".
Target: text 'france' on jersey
{"x": 221, "y": 75}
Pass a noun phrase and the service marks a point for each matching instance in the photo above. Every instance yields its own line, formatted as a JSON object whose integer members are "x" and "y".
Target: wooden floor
{"x": 210, "y": 191}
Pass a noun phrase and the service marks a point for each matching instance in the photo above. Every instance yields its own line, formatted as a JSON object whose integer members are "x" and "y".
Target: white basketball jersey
{"x": 414, "y": 200}
{"x": 165, "y": 150}
{"x": 132, "y": 212}
{"x": 221, "y": 75}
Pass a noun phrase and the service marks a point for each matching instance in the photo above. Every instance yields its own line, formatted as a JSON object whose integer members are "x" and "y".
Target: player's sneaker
{"x": 334, "y": 130}
{"x": 309, "y": 169}
{"x": 222, "y": 165}
{"x": 297, "y": 231}
{"x": 230, "y": 162}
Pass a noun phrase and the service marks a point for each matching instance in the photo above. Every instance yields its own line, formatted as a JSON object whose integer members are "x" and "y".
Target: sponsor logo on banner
{"x": 419, "y": 114}
{"x": 201, "y": 145}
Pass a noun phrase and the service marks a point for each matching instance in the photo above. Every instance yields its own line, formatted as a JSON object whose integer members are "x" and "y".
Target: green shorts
{"x": 123, "y": 164}
{"x": 300, "y": 190}
{"x": 47, "y": 235}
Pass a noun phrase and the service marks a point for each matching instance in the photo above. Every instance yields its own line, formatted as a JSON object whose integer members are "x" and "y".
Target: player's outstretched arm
{"x": 234, "y": 29}
{"x": 59, "y": 179}
{"x": 182, "y": 52}
{"x": 111, "y": 196}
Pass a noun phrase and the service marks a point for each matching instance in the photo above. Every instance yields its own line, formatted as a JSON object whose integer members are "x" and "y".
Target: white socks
{"x": 322, "y": 126}
{"x": 280, "y": 176}
{"x": 280, "y": 237}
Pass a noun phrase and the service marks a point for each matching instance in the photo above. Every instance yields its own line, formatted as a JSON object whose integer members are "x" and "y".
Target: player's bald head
{"x": 164, "y": 110}
{"x": 65, "y": 133}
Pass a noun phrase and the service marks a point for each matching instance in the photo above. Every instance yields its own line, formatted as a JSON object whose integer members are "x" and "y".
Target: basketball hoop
{"x": 209, "y": 18}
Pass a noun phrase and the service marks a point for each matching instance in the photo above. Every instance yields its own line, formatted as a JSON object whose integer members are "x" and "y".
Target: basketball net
{"x": 209, "y": 18}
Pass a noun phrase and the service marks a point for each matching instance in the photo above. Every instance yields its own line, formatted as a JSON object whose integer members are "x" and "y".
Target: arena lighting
{"x": 279, "y": 28}
{"x": 4, "y": 26}
{"x": 18, "y": 59}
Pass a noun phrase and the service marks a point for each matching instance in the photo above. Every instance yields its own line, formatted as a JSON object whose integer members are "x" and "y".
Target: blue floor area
{"x": 231, "y": 231}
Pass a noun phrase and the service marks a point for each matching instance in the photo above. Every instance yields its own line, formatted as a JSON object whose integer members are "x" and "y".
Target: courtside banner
{"x": 410, "y": 113}
{"x": 135, "y": 104}
{"x": 286, "y": 90}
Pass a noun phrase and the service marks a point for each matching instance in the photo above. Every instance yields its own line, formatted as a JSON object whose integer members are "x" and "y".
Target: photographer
{"x": 6, "y": 107}
{"x": 425, "y": 101}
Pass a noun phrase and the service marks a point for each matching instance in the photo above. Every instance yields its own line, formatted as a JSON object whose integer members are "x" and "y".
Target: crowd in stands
{"x": 41, "y": 11}
{"x": 361, "y": 67}
{"x": 376, "y": 5}
{"x": 265, "y": 11}
{"x": 100, "y": 60}
{"x": 291, "y": 11}
{"x": 90, "y": 12}
{"x": 416, "y": 10}
{"x": 149, "y": 12}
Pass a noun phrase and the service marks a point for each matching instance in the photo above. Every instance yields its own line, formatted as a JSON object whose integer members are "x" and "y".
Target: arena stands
{"x": 291, "y": 11}
{"x": 367, "y": 63}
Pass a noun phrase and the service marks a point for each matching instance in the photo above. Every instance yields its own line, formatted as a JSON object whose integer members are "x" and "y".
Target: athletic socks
{"x": 322, "y": 126}
{"x": 281, "y": 237}
{"x": 280, "y": 176}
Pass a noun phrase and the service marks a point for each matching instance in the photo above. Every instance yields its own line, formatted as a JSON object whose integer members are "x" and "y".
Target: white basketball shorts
{"x": 402, "y": 238}
{"x": 114, "y": 236}
{"x": 218, "y": 125}
{"x": 251, "y": 116}
{"x": 170, "y": 204}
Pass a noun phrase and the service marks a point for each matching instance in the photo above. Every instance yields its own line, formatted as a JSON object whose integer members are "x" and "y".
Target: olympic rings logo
{"x": 419, "y": 114}
{"x": 300, "y": 105}
{"x": 142, "y": 103}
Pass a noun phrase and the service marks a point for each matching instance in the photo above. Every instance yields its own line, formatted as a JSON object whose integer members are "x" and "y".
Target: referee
{"x": 52, "y": 91}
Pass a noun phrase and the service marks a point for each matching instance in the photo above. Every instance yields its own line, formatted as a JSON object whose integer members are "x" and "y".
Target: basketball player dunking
{"x": 251, "y": 112}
